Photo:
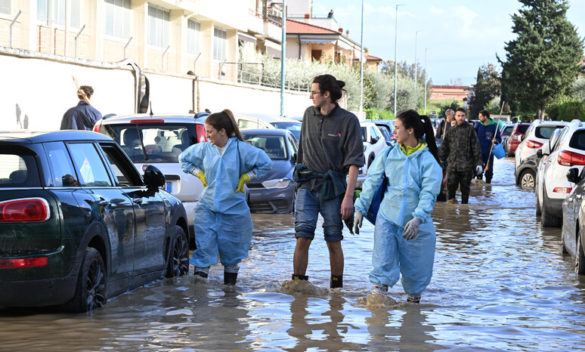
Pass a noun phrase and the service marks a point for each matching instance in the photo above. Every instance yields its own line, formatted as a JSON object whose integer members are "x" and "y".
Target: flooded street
{"x": 500, "y": 283}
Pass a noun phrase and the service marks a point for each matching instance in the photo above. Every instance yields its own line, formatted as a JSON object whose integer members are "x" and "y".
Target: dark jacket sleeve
{"x": 444, "y": 152}
{"x": 353, "y": 147}
{"x": 475, "y": 149}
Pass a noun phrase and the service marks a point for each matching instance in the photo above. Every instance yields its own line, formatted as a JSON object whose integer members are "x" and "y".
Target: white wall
{"x": 43, "y": 89}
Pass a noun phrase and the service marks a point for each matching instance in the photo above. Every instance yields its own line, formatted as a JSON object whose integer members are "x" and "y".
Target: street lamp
{"x": 362, "y": 63}
{"x": 415, "y": 70}
{"x": 395, "y": 62}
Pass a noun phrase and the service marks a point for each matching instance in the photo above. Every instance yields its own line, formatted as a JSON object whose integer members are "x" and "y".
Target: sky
{"x": 458, "y": 36}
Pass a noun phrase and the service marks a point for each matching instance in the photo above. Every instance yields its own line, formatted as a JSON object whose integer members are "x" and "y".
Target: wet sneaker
{"x": 413, "y": 298}
{"x": 380, "y": 289}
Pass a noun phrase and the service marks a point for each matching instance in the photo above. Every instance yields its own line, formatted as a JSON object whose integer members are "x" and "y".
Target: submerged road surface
{"x": 500, "y": 284}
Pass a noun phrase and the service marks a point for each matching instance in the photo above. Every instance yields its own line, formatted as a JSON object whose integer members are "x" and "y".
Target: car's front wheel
{"x": 527, "y": 180}
{"x": 178, "y": 259}
{"x": 91, "y": 284}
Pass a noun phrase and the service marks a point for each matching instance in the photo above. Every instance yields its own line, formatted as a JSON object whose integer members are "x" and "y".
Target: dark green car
{"x": 79, "y": 224}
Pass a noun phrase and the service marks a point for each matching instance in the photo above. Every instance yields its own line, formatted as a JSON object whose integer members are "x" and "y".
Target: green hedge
{"x": 567, "y": 110}
{"x": 379, "y": 114}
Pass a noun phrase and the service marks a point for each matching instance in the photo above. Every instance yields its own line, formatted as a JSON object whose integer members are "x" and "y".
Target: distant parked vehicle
{"x": 374, "y": 143}
{"x": 247, "y": 121}
{"x": 534, "y": 138}
{"x": 158, "y": 140}
{"x": 275, "y": 192}
{"x": 387, "y": 129}
{"x": 505, "y": 132}
{"x": 558, "y": 156}
{"x": 79, "y": 224}
{"x": 516, "y": 137}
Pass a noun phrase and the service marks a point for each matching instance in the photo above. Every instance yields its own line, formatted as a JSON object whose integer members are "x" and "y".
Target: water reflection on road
{"x": 500, "y": 283}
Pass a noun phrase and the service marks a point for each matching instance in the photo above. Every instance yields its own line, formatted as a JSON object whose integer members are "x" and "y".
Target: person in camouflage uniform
{"x": 460, "y": 152}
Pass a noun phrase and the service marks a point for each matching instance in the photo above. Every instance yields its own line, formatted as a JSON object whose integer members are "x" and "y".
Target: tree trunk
{"x": 540, "y": 112}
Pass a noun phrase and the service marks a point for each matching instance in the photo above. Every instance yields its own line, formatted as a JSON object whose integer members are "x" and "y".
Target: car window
{"x": 507, "y": 130}
{"x": 18, "y": 169}
{"x": 125, "y": 172}
{"x": 578, "y": 140}
{"x": 163, "y": 142}
{"x": 364, "y": 133}
{"x": 522, "y": 128}
{"x": 545, "y": 131}
{"x": 273, "y": 146}
{"x": 293, "y": 126}
{"x": 556, "y": 142}
{"x": 91, "y": 169}
{"x": 293, "y": 144}
{"x": 62, "y": 171}
{"x": 386, "y": 133}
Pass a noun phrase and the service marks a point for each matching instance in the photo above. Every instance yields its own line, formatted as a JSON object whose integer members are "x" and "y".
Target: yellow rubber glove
{"x": 244, "y": 178}
{"x": 201, "y": 175}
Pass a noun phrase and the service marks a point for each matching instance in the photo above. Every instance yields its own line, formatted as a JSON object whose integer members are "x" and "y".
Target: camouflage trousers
{"x": 461, "y": 179}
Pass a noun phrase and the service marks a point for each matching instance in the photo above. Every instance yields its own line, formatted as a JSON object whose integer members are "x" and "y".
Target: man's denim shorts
{"x": 308, "y": 206}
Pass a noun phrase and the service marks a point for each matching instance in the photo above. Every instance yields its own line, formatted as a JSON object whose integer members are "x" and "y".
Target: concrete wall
{"x": 37, "y": 91}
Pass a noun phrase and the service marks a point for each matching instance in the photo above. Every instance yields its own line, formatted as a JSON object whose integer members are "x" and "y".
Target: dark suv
{"x": 79, "y": 224}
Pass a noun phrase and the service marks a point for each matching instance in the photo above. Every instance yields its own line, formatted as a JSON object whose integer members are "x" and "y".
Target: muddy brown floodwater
{"x": 500, "y": 284}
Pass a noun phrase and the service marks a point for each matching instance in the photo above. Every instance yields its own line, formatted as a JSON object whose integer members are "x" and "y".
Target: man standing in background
{"x": 82, "y": 116}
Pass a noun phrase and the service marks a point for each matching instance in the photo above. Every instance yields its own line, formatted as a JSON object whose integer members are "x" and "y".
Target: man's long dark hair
{"x": 422, "y": 126}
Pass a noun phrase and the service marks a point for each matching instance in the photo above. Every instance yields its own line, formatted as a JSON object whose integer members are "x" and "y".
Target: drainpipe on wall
{"x": 299, "y": 38}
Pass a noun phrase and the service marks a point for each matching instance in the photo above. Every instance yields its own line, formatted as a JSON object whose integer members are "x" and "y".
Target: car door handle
{"x": 138, "y": 201}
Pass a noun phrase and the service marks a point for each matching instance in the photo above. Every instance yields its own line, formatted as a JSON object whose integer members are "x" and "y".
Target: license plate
{"x": 169, "y": 187}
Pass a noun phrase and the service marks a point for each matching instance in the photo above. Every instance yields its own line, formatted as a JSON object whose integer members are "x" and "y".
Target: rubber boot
{"x": 229, "y": 278}
{"x": 201, "y": 274}
{"x": 336, "y": 281}
{"x": 464, "y": 198}
{"x": 300, "y": 277}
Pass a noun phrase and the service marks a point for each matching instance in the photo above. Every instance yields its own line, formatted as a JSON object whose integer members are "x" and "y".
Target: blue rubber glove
{"x": 411, "y": 228}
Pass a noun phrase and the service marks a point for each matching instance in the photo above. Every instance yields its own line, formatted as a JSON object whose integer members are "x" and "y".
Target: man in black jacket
{"x": 460, "y": 152}
{"x": 82, "y": 116}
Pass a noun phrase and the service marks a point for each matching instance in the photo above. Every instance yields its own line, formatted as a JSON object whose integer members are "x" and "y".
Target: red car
{"x": 516, "y": 137}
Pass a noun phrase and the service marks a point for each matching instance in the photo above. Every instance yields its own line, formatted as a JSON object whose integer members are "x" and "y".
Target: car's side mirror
{"x": 573, "y": 175}
{"x": 153, "y": 178}
{"x": 539, "y": 153}
{"x": 373, "y": 140}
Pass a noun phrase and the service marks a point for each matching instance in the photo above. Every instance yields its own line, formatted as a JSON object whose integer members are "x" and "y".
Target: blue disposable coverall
{"x": 414, "y": 181}
{"x": 485, "y": 135}
{"x": 223, "y": 223}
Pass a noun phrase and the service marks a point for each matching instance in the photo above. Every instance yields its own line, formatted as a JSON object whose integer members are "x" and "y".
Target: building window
{"x": 117, "y": 18}
{"x": 5, "y": 7}
{"x": 159, "y": 26}
{"x": 219, "y": 44}
{"x": 59, "y": 12}
{"x": 193, "y": 37}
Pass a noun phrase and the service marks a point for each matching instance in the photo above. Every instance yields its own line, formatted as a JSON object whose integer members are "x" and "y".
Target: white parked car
{"x": 255, "y": 121}
{"x": 374, "y": 143}
{"x": 158, "y": 140}
{"x": 537, "y": 134}
{"x": 558, "y": 156}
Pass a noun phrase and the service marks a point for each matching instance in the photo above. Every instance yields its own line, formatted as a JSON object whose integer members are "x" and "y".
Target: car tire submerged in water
{"x": 178, "y": 261}
{"x": 579, "y": 257}
{"x": 91, "y": 284}
{"x": 527, "y": 180}
{"x": 546, "y": 218}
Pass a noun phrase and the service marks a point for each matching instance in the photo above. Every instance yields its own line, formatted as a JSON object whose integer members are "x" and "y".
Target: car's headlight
{"x": 278, "y": 183}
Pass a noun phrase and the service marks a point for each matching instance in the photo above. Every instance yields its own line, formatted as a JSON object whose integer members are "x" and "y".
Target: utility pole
{"x": 282, "y": 57}
{"x": 362, "y": 63}
{"x": 415, "y": 71}
{"x": 395, "y": 62}
{"x": 426, "y": 81}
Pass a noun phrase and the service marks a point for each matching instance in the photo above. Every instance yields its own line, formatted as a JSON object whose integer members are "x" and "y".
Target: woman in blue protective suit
{"x": 223, "y": 224}
{"x": 404, "y": 236}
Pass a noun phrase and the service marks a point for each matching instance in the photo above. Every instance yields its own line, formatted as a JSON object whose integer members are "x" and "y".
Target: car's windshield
{"x": 273, "y": 146}
{"x": 163, "y": 142}
{"x": 18, "y": 169}
{"x": 294, "y": 127}
{"x": 522, "y": 128}
{"x": 507, "y": 130}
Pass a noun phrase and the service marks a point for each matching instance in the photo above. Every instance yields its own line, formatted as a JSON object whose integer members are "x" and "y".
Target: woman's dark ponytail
{"x": 422, "y": 127}
{"x": 430, "y": 137}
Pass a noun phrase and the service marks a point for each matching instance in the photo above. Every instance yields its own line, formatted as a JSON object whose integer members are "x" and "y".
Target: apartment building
{"x": 206, "y": 37}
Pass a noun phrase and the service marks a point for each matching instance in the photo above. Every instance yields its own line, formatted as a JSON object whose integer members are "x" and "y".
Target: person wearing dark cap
{"x": 82, "y": 116}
